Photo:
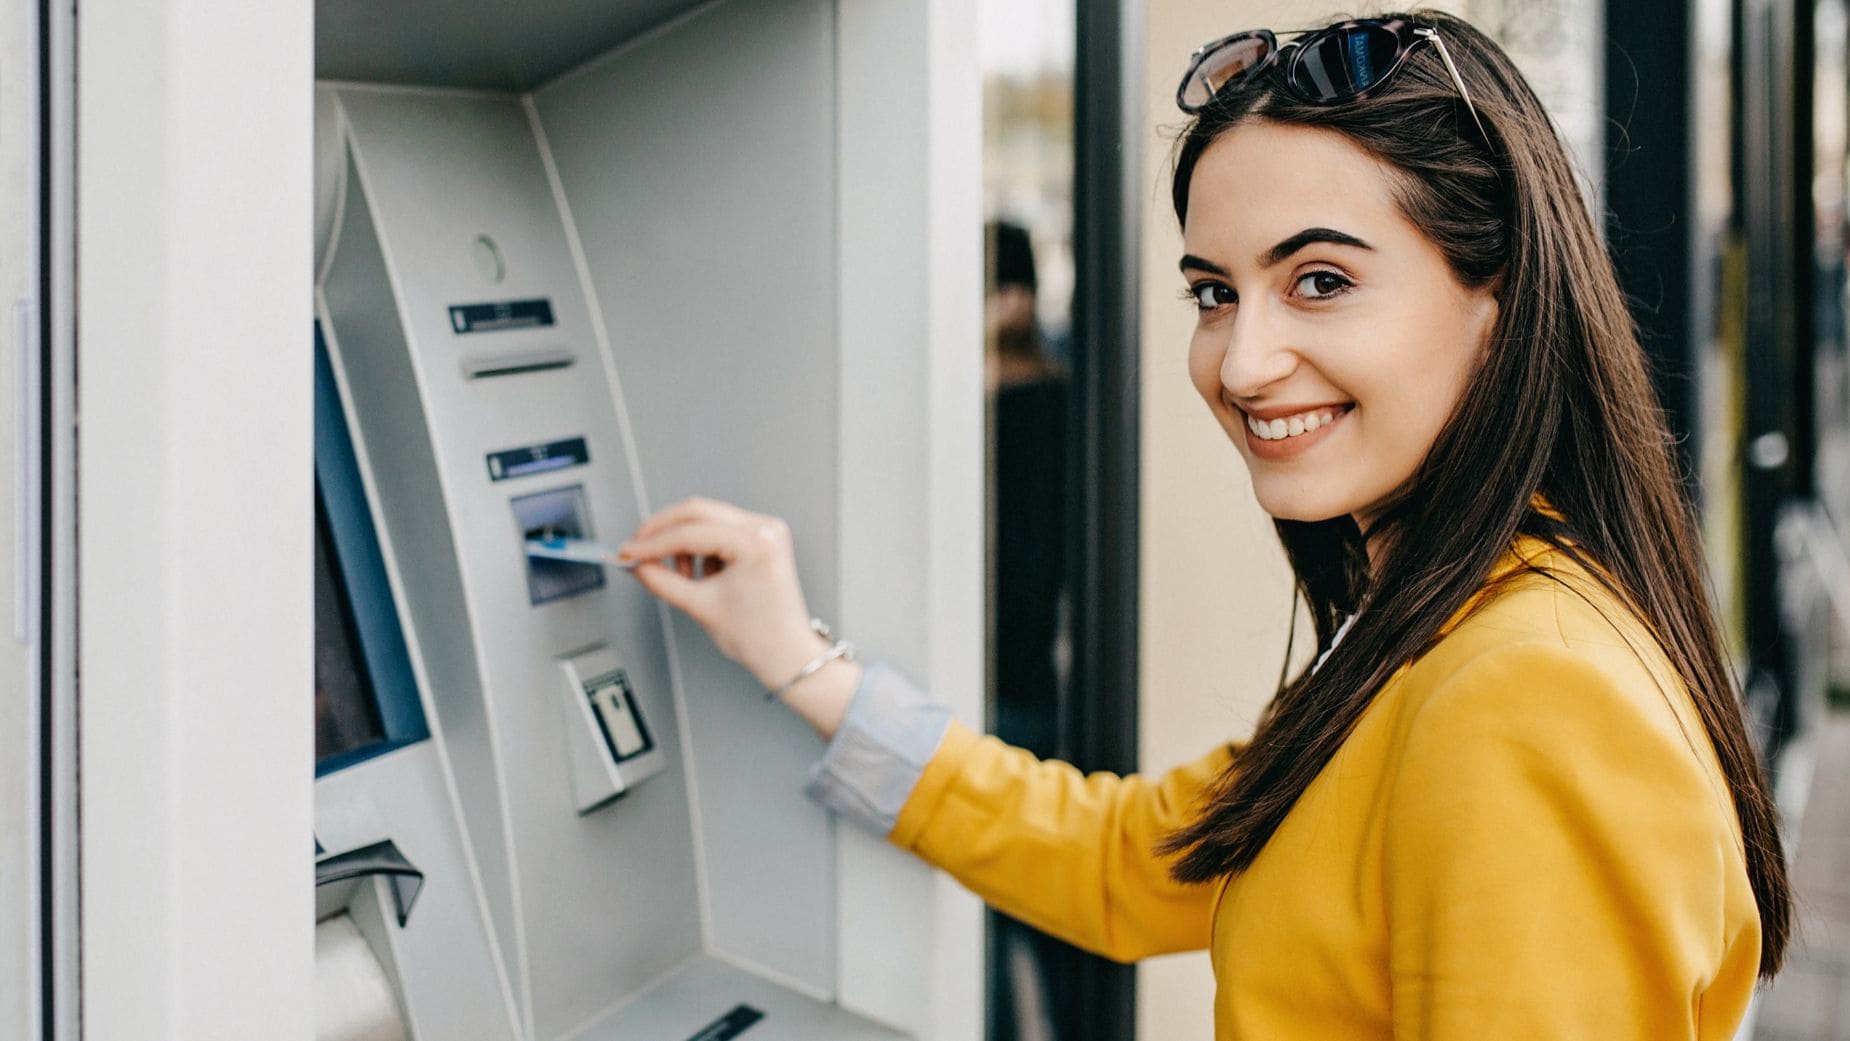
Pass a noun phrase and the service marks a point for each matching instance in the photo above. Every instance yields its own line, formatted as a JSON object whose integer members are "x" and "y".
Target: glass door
{"x": 1062, "y": 359}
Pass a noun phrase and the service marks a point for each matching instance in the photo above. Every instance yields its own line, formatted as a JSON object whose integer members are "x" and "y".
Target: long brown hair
{"x": 1561, "y": 406}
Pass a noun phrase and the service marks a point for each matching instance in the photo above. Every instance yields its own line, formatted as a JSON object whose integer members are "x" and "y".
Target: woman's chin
{"x": 1296, "y": 505}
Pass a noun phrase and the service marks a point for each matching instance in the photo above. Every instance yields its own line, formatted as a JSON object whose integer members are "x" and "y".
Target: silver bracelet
{"x": 838, "y": 649}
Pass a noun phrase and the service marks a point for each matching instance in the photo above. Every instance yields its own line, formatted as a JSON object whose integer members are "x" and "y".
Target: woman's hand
{"x": 734, "y": 572}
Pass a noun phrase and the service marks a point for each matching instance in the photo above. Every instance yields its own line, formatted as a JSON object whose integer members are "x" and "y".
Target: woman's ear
{"x": 1489, "y": 307}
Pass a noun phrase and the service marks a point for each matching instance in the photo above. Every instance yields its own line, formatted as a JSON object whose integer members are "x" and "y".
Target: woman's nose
{"x": 1257, "y": 354}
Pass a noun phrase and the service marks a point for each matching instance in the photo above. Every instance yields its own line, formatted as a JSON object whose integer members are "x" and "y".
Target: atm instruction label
{"x": 541, "y": 458}
{"x": 500, "y": 316}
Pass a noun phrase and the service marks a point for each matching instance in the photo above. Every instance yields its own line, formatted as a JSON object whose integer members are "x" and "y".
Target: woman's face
{"x": 1333, "y": 340}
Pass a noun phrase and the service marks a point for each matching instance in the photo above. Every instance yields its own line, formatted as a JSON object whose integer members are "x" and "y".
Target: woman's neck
{"x": 1376, "y": 546}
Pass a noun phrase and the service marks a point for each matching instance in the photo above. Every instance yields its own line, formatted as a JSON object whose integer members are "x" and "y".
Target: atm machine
{"x": 546, "y": 809}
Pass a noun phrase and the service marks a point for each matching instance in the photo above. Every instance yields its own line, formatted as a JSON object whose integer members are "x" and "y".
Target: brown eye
{"x": 1210, "y": 295}
{"x": 1319, "y": 285}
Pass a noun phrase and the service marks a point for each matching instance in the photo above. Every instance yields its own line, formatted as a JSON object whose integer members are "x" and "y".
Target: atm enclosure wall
{"x": 752, "y": 310}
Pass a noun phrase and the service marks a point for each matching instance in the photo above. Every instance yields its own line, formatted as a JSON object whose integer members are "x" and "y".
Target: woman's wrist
{"x": 805, "y": 669}
{"x": 780, "y": 660}
{"x": 822, "y": 698}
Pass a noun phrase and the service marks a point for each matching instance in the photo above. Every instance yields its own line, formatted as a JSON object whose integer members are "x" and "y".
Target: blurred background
{"x": 1139, "y": 602}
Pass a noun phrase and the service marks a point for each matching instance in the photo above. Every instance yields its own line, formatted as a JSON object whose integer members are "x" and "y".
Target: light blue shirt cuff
{"x": 890, "y": 732}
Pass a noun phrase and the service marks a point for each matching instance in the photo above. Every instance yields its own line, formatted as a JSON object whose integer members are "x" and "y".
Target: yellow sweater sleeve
{"x": 1558, "y": 859}
{"x": 1070, "y": 854}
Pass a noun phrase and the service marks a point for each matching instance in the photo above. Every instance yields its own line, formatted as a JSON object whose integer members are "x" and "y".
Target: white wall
{"x": 194, "y": 131}
{"x": 17, "y": 758}
{"x": 911, "y": 270}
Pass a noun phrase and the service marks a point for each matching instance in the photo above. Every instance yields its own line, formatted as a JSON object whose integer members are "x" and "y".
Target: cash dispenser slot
{"x": 359, "y": 983}
{"x": 560, "y": 513}
{"x": 381, "y": 859}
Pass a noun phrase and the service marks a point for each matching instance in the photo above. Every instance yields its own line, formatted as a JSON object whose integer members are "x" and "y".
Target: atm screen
{"x": 366, "y": 698}
{"x": 346, "y": 712}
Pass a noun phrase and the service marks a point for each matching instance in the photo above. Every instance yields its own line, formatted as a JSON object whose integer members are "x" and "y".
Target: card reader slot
{"x": 560, "y": 513}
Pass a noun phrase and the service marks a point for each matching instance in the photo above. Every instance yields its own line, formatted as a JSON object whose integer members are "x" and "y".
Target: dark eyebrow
{"x": 1281, "y": 251}
{"x": 1189, "y": 260}
{"x": 1304, "y": 238}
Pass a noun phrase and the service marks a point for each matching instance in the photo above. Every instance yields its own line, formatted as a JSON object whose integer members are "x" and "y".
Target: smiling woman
{"x": 1346, "y": 300}
{"x": 1513, "y": 796}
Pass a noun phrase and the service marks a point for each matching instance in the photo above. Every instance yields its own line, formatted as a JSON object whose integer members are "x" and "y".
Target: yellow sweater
{"x": 1526, "y": 836}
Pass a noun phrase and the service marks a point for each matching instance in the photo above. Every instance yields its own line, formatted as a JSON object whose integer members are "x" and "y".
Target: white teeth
{"x": 1290, "y": 426}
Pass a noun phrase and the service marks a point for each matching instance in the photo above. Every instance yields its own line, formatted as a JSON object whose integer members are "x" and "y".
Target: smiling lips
{"x": 1284, "y": 436}
{"x": 1294, "y": 425}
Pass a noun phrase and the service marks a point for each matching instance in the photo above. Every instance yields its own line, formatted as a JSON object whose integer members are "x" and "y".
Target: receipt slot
{"x": 611, "y": 750}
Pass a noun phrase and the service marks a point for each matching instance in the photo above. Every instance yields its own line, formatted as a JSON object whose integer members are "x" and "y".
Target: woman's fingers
{"x": 680, "y": 513}
{"x": 732, "y": 571}
{"x": 691, "y": 510}
{"x": 690, "y": 538}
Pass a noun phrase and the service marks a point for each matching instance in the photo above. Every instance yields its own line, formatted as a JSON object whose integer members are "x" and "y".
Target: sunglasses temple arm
{"x": 1459, "y": 82}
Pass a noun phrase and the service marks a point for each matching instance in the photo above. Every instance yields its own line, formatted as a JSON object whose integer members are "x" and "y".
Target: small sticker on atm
{"x": 504, "y": 314}
{"x": 730, "y": 1025}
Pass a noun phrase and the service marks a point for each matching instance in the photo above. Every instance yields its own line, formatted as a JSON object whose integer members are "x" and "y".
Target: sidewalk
{"x": 1810, "y": 1000}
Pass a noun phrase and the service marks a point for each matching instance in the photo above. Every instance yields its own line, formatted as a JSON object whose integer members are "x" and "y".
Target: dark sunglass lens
{"x": 1345, "y": 62}
{"x": 1232, "y": 61}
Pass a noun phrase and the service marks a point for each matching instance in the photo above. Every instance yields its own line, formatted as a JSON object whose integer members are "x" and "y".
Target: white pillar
{"x": 194, "y": 202}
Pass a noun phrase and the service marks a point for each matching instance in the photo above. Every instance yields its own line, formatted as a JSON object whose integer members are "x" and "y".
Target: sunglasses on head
{"x": 1325, "y": 66}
